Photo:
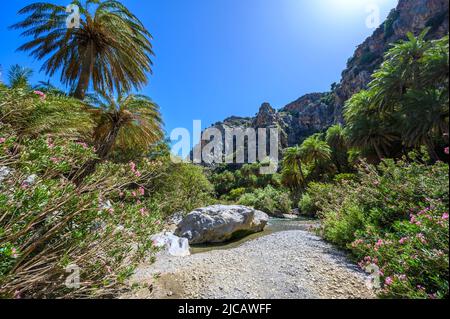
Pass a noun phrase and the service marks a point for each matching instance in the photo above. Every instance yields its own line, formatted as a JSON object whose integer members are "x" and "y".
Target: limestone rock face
{"x": 220, "y": 223}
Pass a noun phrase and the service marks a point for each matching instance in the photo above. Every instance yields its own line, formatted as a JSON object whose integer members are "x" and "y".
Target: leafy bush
{"x": 237, "y": 193}
{"x": 316, "y": 193}
{"x": 306, "y": 205}
{"x": 177, "y": 187}
{"x": 413, "y": 259}
{"x": 379, "y": 208}
{"x": 48, "y": 223}
{"x": 269, "y": 200}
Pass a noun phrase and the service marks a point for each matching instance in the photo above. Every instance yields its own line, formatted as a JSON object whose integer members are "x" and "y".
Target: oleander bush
{"x": 103, "y": 226}
{"x": 396, "y": 216}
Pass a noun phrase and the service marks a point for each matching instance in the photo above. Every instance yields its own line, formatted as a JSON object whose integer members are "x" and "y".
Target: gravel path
{"x": 285, "y": 265}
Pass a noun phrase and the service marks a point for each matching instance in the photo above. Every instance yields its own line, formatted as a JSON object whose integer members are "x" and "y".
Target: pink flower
{"x": 138, "y": 174}
{"x": 403, "y": 240}
{"x": 111, "y": 211}
{"x": 133, "y": 167}
{"x": 447, "y": 150}
{"x": 54, "y": 160}
{"x": 108, "y": 269}
{"x": 141, "y": 191}
{"x": 158, "y": 222}
{"x": 143, "y": 212}
{"x": 134, "y": 194}
{"x": 445, "y": 216}
{"x": 83, "y": 145}
{"x": 422, "y": 239}
{"x": 50, "y": 143}
{"x": 41, "y": 94}
{"x": 2, "y": 140}
{"x": 389, "y": 281}
{"x": 14, "y": 253}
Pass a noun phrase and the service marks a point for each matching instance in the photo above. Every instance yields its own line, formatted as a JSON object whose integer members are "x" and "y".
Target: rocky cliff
{"x": 316, "y": 112}
{"x": 409, "y": 16}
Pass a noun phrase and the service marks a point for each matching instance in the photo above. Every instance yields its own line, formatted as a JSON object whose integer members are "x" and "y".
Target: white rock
{"x": 174, "y": 245}
{"x": 220, "y": 223}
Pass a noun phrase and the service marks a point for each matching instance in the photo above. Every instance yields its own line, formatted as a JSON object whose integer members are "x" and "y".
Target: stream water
{"x": 275, "y": 225}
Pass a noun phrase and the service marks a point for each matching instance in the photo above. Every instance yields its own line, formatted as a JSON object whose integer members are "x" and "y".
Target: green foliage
{"x": 315, "y": 194}
{"x": 33, "y": 115}
{"x": 248, "y": 177}
{"x": 336, "y": 139}
{"x": 413, "y": 258}
{"x": 110, "y": 50}
{"x": 406, "y": 104}
{"x": 268, "y": 200}
{"x": 48, "y": 223}
{"x": 19, "y": 77}
{"x": 128, "y": 122}
{"x": 379, "y": 204}
{"x": 177, "y": 187}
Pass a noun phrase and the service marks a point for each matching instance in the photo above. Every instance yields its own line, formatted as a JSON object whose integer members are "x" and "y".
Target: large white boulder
{"x": 173, "y": 245}
{"x": 220, "y": 223}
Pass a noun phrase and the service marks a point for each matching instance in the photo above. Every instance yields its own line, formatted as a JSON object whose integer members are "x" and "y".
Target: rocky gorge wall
{"x": 316, "y": 112}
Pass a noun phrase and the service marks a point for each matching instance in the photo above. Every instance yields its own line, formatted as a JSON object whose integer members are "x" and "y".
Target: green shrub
{"x": 413, "y": 259}
{"x": 268, "y": 200}
{"x": 316, "y": 193}
{"x": 381, "y": 206}
{"x": 177, "y": 187}
{"x": 306, "y": 205}
{"x": 102, "y": 226}
{"x": 237, "y": 193}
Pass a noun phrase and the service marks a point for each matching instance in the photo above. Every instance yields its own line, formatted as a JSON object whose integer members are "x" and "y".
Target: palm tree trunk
{"x": 86, "y": 72}
{"x": 103, "y": 150}
{"x": 302, "y": 176}
{"x": 379, "y": 152}
{"x": 431, "y": 149}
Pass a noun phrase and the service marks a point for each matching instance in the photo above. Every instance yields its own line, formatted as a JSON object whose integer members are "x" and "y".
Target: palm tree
{"x": 366, "y": 128}
{"x": 130, "y": 121}
{"x": 293, "y": 174}
{"x": 335, "y": 138}
{"x": 399, "y": 72}
{"x": 315, "y": 150}
{"x": 19, "y": 76}
{"x": 110, "y": 49}
{"x": 33, "y": 116}
{"x": 412, "y": 84}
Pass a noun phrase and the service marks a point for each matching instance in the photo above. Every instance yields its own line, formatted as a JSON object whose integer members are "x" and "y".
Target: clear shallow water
{"x": 275, "y": 225}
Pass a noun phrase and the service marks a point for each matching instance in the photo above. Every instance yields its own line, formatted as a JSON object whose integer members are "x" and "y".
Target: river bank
{"x": 289, "y": 264}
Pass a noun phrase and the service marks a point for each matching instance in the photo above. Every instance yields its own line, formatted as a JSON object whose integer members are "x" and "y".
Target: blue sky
{"x": 217, "y": 58}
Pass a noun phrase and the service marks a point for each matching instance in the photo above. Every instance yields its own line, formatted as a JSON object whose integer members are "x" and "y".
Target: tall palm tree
{"x": 130, "y": 121}
{"x": 110, "y": 49}
{"x": 293, "y": 167}
{"x": 399, "y": 72}
{"x": 19, "y": 76}
{"x": 366, "y": 128}
{"x": 335, "y": 138}
{"x": 412, "y": 84}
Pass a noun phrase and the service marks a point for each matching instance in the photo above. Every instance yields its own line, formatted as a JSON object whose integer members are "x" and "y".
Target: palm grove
{"x": 86, "y": 176}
